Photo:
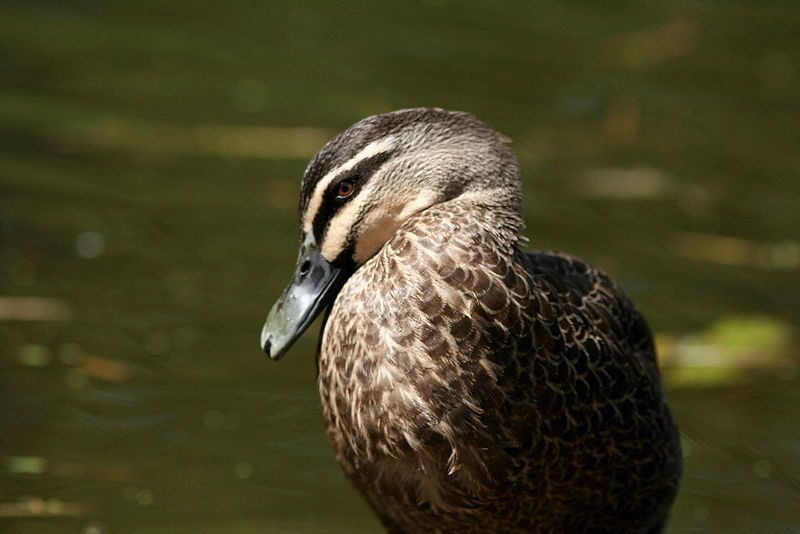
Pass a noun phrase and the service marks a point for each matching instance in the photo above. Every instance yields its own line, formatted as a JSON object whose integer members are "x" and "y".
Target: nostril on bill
{"x": 305, "y": 267}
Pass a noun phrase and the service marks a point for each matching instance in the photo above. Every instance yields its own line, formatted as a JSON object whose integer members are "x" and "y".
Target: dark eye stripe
{"x": 360, "y": 176}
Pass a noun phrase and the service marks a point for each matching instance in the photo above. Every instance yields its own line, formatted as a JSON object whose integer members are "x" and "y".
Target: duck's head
{"x": 365, "y": 183}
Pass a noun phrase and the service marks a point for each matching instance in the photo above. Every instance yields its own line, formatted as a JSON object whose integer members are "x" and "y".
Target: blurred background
{"x": 150, "y": 159}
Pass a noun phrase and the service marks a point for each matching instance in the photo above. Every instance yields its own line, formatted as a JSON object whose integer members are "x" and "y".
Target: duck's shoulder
{"x": 592, "y": 309}
{"x": 579, "y": 285}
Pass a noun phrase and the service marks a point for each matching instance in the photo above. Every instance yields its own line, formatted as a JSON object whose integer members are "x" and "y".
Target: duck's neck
{"x": 389, "y": 349}
{"x": 500, "y": 208}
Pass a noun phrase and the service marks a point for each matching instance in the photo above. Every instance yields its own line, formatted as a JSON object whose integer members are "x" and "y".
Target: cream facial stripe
{"x": 376, "y": 147}
{"x": 381, "y": 219}
{"x": 340, "y": 226}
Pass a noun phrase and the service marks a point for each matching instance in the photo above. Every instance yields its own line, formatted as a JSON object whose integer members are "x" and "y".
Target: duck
{"x": 468, "y": 384}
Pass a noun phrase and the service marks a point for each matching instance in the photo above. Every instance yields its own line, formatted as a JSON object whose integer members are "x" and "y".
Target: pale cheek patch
{"x": 383, "y": 221}
{"x": 339, "y": 229}
{"x": 314, "y": 204}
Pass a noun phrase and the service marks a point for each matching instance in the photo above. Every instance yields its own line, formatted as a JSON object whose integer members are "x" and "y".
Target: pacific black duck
{"x": 468, "y": 386}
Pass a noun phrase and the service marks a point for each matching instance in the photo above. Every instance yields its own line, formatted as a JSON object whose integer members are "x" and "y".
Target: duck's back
{"x": 470, "y": 386}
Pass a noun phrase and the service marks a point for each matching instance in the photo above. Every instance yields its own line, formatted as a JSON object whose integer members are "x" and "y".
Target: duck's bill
{"x": 314, "y": 285}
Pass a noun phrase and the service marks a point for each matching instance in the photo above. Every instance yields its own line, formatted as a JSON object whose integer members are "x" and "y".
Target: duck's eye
{"x": 345, "y": 189}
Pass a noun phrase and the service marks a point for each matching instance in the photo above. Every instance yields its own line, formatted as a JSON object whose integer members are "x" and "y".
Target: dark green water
{"x": 150, "y": 158}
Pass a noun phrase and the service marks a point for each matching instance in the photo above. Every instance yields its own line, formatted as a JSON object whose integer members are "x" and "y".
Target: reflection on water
{"x": 150, "y": 163}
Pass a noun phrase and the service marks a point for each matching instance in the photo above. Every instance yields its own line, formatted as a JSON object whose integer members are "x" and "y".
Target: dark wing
{"x": 602, "y": 421}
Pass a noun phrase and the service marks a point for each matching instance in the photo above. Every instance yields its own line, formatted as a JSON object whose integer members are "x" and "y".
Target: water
{"x": 149, "y": 164}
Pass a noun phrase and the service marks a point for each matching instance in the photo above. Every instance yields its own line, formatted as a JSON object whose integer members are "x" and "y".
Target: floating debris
{"x": 198, "y": 140}
{"x": 28, "y": 465}
{"x": 780, "y": 256}
{"x": 724, "y": 352}
{"x": 740, "y": 252}
{"x": 144, "y": 497}
{"x": 90, "y": 245}
{"x": 105, "y": 369}
{"x": 94, "y": 527}
{"x": 656, "y": 44}
{"x": 32, "y": 506}
{"x": 703, "y": 376}
{"x": 33, "y": 309}
{"x": 33, "y": 355}
{"x": 243, "y": 470}
{"x": 76, "y": 379}
{"x": 631, "y": 183}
